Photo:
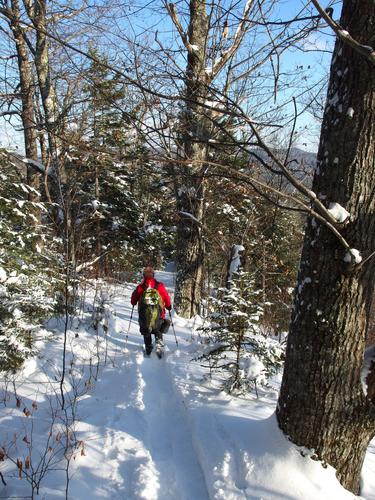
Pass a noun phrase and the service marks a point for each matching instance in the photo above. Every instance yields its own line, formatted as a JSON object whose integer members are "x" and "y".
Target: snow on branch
{"x": 353, "y": 256}
{"x": 36, "y": 165}
{"x": 85, "y": 265}
{"x": 3, "y": 275}
{"x": 338, "y": 212}
{"x": 190, "y": 216}
{"x": 235, "y": 261}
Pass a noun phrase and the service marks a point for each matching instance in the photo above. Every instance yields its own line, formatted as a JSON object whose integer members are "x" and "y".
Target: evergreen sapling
{"x": 236, "y": 346}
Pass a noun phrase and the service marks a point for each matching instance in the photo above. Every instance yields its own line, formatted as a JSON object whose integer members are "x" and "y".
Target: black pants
{"x": 147, "y": 336}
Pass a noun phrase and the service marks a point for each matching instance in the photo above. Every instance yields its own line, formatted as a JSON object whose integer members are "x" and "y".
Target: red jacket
{"x": 150, "y": 283}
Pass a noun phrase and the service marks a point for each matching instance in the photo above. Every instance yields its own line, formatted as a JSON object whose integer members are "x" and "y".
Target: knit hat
{"x": 148, "y": 272}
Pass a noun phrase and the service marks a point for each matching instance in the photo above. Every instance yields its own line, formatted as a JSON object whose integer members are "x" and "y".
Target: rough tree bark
{"x": 196, "y": 128}
{"x": 27, "y": 98}
{"x": 322, "y": 405}
{"x": 190, "y": 186}
{"x": 37, "y": 12}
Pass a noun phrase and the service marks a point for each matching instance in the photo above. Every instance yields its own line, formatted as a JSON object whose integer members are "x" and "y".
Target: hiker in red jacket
{"x": 163, "y": 325}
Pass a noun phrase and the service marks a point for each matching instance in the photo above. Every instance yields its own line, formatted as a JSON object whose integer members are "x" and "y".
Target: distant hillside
{"x": 301, "y": 163}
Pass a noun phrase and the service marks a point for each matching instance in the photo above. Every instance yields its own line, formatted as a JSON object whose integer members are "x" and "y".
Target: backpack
{"x": 150, "y": 307}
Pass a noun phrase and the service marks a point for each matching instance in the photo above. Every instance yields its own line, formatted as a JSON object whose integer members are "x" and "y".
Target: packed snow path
{"x": 145, "y": 440}
{"x": 150, "y": 429}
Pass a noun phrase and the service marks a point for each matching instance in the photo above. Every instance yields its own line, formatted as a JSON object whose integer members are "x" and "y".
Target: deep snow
{"x": 149, "y": 428}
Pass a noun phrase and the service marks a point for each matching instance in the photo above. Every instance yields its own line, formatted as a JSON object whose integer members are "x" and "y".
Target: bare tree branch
{"x": 171, "y": 8}
{"x": 240, "y": 32}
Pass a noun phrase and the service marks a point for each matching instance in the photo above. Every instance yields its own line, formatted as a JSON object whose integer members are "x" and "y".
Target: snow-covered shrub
{"x": 272, "y": 238}
{"x": 236, "y": 345}
{"x": 26, "y": 267}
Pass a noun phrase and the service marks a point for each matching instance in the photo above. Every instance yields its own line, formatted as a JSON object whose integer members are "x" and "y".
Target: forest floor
{"x": 146, "y": 428}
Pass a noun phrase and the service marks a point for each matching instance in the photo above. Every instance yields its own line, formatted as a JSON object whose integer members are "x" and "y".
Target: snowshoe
{"x": 159, "y": 349}
{"x": 160, "y": 353}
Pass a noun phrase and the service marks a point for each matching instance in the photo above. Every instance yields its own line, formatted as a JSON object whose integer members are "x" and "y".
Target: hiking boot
{"x": 159, "y": 348}
{"x": 149, "y": 349}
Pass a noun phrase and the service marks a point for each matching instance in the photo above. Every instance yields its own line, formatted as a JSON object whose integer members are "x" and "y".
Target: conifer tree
{"x": 28, "y": 266}
{"x": 236, "y": 344}
{"x": 101, "y": 162}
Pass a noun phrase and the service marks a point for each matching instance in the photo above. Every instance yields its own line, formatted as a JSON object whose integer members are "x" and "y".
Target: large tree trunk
{"x": 37, "y": 12}
{"x": 27, "y": 98}
{"x": 190, "y": 186}
{"x": 189, "y": 254}
{"x": 322, "y": 405}
{"x": 197, "y": 128}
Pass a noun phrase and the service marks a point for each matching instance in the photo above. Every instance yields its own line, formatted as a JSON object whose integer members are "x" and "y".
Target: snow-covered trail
{"x": 150, "y": 429}
{"x": 138, "y": 438}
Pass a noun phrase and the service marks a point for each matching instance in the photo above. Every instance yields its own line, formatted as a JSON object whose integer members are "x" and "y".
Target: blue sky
{"x": 311, "y": 64}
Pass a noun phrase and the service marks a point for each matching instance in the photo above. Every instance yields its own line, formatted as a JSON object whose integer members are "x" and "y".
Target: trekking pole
{"x": 174, "y": 331}
{"x": 127, "y": 333}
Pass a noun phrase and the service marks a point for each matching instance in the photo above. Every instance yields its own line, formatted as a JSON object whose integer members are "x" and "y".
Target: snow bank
{"x": 243, "y": 453}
